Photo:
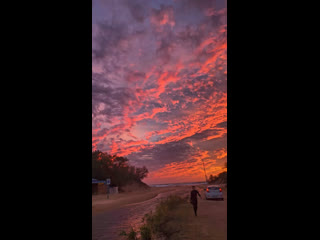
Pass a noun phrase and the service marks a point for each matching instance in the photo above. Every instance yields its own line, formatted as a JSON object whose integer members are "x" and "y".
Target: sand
{"x": 211, "y": 222}
{"x": 101, "y": 204}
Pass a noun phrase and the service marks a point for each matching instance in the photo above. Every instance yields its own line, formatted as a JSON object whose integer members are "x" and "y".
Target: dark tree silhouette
{"x": 220, "y": 178}
{"x": 141, "y": 173}
{"x": 116, "y": 168}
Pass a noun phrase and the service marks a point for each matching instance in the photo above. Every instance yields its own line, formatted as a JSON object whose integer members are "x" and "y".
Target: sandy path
{"x": 213, "y": 218}
{"x": 101, "y": 204}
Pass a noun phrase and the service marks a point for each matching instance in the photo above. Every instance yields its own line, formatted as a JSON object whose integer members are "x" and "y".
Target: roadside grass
{"x": 172, "y": 219}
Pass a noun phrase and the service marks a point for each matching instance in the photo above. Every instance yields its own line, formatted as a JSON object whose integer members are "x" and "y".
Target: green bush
{"x": 132, "y": 235}
{"x": 160, "y": 223}
{"x": 145, "y": 232}
{"x": 118, "y": 169}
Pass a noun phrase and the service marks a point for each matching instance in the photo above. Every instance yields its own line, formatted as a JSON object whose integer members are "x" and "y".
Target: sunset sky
{"x": 159, "y": 85}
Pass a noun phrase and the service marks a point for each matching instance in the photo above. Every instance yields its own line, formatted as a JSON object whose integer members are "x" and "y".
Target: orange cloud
{"x": 188, "y": 170}
{"x": 221, "y": 153}
{"x": 181, "y": 97}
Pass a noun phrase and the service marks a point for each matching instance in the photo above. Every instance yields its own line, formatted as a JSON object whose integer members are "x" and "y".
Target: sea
{"x": 176, "y": 184}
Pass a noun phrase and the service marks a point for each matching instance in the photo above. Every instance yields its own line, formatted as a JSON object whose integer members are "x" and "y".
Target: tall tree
{"x": 141, "y": 173}
{"x": 117, "y": 168}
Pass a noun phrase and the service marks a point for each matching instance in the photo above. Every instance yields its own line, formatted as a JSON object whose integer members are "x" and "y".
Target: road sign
{"x": 108, "y": 181}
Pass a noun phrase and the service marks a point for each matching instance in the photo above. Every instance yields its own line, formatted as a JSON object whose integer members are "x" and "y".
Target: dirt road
{"x": 108, "y": 224}
{"x": 211, "y": 222}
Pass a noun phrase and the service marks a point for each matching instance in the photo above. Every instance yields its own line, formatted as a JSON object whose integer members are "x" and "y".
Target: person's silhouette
{"x": 194, "y": 200}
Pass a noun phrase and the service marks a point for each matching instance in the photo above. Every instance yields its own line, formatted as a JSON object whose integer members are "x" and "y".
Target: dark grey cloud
{"x": 102, "y": 132}
{"x": 108, "y": 39}
{"x": 213, "y": 144}
{"x": 165, "y": 49}
{"x": 135, "y": 76}
{"x": 222, "y": 125}
{"x": 179, "y": 151}
{"x": 138, "y": 9}
{"x": 191, "y": 36}
{"x": 204, "y": 134}
{"x": 113, "y": 99}
{"x": 113, "y": 39}
{"x": 202, "y": 4}
{"x": 163, "y": 154}
{"x": 98, "y": 78}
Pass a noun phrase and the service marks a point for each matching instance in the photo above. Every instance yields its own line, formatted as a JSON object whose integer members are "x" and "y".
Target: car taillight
{"x": 220, "y": 189}
{"x": 207, "y": 190}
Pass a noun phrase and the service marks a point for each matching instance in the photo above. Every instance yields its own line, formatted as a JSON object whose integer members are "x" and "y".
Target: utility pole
{"x": 204, "y": 170}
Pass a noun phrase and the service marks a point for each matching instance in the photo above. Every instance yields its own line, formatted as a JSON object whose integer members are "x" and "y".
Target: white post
{"x": 108, "y": 187}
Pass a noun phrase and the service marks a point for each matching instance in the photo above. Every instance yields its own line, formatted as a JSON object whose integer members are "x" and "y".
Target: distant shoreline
{"x": 176, "y": 184}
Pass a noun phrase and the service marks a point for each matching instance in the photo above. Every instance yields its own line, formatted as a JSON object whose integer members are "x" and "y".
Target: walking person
{"x": 193, "y": 199}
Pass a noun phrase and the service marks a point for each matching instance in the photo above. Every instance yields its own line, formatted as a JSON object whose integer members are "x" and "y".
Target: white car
{"x": 214, "y": 192}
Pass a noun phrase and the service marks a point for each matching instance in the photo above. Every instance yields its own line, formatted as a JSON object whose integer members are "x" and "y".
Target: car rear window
{"x": 214, "y": 188}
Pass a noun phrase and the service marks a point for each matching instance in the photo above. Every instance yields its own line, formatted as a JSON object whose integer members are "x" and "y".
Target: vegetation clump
{"x": 117, "y": 169}
{"x": 220, "y": 179}
{"x": 161, "y": 224}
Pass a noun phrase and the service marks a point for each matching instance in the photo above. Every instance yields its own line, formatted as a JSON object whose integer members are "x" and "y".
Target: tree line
{"x": 220, "y": 178}
{"x": 116, "y": 168}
